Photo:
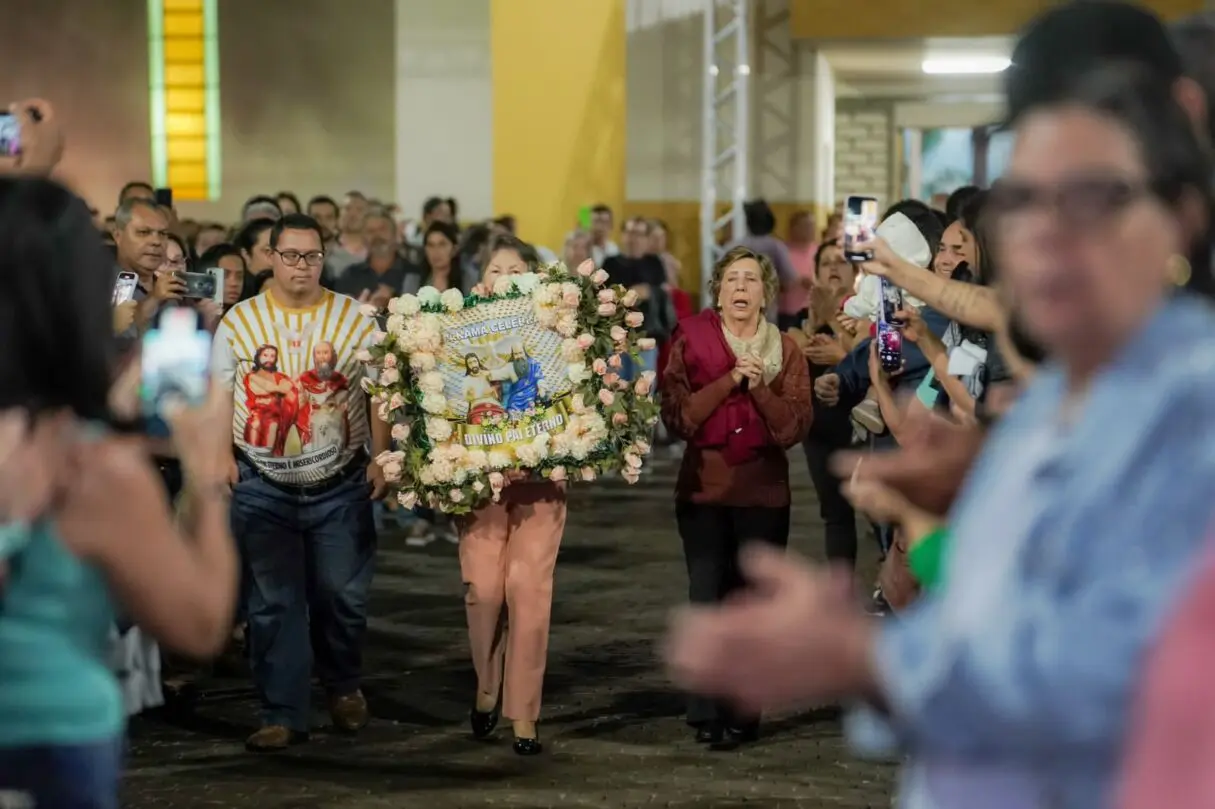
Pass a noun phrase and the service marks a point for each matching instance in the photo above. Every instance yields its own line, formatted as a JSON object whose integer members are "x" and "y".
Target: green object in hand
{"x": 927, "y": 558}
{"x": 584, "y": 217}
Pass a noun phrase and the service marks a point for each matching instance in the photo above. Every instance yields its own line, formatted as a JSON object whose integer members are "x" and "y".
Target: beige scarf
{"x": 766, "y": 345}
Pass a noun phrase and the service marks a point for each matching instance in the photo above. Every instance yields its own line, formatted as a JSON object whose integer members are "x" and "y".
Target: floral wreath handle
{"x": 611, "y": 418}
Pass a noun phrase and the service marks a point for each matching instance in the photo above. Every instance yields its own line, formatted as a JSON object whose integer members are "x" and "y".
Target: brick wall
{"x": 864, "y": 149}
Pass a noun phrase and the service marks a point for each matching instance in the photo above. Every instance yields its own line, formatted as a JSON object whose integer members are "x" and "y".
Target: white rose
{"x": 407, "y": 305}
{"x": 527, "y": 282}
{"x": 422, "y": 361}
{"x": 571, "y": 351}
{"x": 434, "y": 403}
{"x": 455, "y": 495}
{"x": 477, "y": 459}
{"x": 395, "y": 323}
{"x": 498, "y": 459}
{"x": 528, "y": 454}
{"x": 478, "y": 486}
{"x": 426, "y": 476}
{"x": 431, "y": 382}
{"x": 400, "y": 432}
{"x": 407, "y": 498}
{"x": 438, "y": 430}
{"x": 453, "y": 300}
{"x": 442, "y": 470}
{"x": 429, "y": 296}
{"x": 390, "y": 376}
{"x": 503, "y": 285}
{"x": 578, "y": 372}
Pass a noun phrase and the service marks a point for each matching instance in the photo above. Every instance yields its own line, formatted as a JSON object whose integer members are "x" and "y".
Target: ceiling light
{"x": 964, "y": 65}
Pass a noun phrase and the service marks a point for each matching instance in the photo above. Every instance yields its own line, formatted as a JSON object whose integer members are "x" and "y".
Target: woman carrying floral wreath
{"x": 508, "y": 553}
{"x": 738, "y": 391}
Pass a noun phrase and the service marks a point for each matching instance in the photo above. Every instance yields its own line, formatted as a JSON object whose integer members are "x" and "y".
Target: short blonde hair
{"x": 736, "y": 254}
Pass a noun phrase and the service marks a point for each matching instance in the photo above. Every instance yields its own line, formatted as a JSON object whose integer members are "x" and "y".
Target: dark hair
{"x": 248, "y": 235}
{"x": 760, "y": 219}
{"x": 971, "y": 215}
{"x": 131, "y": 186}
{"x": 1177, "y": 164}
{"x": 260, "y": 199}
{"x": 321, "y": 199}
{"x": 957, "y": 200}
{"x": 290, "y": 197}
{"x": 1194, "y": 38}
{"x": 923, "y": 217}
{"x": 507, "y": 221}
{"x": 448, "y": 230}
{"x": 455, "y": 208}
{"x": 818, "y": 254}
{"x": 432, "y": 204}
{"x": 505, "y": 241}
{"x": 215, "y": 252}
{"x": 254, "y": 283}
{"x": 599, "y": 207}
{"x": 55, "y": 320}
{"x": 294, "y": 221}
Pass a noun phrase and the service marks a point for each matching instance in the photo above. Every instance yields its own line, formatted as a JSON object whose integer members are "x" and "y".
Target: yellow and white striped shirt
{"x": 301, "y": 413}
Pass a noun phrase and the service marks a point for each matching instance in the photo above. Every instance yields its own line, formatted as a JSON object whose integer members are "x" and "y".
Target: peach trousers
{"x": 508, "y": 552}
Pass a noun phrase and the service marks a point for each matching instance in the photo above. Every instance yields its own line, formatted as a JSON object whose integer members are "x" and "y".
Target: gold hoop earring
{"x": 1179, "y": 270}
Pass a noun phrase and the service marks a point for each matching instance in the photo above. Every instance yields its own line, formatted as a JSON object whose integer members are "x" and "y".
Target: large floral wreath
{"x": 610, "y": 419}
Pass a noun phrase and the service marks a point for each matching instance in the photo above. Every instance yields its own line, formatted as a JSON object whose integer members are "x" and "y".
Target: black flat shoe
{"x": 709, "y": 733}
{"x": 742, "y": 734}
{"x": 482, "y": 722}
{"x": 528, "y": 747}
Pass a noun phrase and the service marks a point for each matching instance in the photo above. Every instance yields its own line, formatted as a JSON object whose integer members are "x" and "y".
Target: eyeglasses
{"x": 292, "y": 257}
{"x": 177, "y": 263}
{"x": 1078, "y": 201}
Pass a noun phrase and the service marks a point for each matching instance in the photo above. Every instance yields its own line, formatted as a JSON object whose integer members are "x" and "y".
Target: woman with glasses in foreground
{"x": 1083, "y": 515}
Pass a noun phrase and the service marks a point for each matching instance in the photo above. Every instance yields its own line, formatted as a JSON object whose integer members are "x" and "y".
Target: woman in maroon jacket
{"x": 738, "y": 391}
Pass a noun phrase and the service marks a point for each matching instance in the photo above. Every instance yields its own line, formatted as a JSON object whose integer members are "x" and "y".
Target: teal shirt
{"x": 56, "y": 686}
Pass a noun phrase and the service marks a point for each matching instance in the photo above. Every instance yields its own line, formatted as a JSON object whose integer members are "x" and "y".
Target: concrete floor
{"x": 611, "y": 723}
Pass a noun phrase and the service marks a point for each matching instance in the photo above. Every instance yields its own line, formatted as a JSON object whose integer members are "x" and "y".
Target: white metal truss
{"x": 724, "y": 161}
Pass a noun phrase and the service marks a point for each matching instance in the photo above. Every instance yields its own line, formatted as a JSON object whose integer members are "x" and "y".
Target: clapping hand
{"x": 752, "y": 369}
{"x": 827, "y": 389}
{"x": 824, "y": 351}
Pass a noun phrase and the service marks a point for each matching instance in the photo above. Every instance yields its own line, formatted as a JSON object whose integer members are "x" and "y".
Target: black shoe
{"x": 483, "y": 722}
{"x": 709, "y": 733}
{"x": 742, "y": 734}
{"x": 528, "y": 747}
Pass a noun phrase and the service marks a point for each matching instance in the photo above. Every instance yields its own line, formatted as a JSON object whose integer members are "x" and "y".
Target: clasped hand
{"x": 751, "y": 368}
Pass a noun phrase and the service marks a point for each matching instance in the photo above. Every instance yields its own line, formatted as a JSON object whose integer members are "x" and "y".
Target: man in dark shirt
{"x": 643, "y": 273}
{"x": 378, "y": 278}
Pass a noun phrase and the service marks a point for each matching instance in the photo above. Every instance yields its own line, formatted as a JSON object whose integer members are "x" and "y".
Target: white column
{"x": 822, "y": 132}
{"x": 444, "y": 118}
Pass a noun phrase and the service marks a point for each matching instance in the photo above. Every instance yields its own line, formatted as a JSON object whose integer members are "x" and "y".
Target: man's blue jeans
{"x": 78, "y": 776}
{"x": 310, "y": 558}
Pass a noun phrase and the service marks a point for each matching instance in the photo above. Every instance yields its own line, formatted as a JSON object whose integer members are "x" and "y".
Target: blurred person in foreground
{"x": 1010, "y": 685}
{"x": 85, "y": 530}
{"x": 738, "y": 391}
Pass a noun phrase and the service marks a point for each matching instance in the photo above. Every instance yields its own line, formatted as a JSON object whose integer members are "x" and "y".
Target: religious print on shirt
{"x": 300, "y": 410}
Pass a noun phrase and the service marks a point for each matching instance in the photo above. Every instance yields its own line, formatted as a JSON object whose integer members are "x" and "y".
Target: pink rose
{"x": 615, "y": 361}
{"x": 606, "y": 309}
{"x": 630, "y": 476}
{"x": 585, "y": 340}
{"x": 629, "y": 299}
{"x": 396, "y": 402}
{"x": 620, "y": 419}
{"x": 642, "y": 388}
{"x": 643, "y": 447}
{"x": 392, "y": 472}
{"x": 607, "y": 296}
{"x": 646, "y": 344}
{"x": 618, "y": 334}
{"x": 390, "y": 360}
{"x": 633, "y": 461}
{"x": 390, "y": 376}
{"x": 496, "y": 481}
{"x": 599, "y": 366}
{"x": 378, "y": 337}
{"x": 557, "y": 474}
{"x": 587, "y": 268}
{"x": 634, "y": 320}
{"x": 400, "y": 432}
{"x": 588, "y": 474}
{"x": 599, "y": 278}
{"x": 622, "y": 384}
{"x": 611, "y": 379}
{"x": 607, "y": 397}
{"x": 571, "y": 298}
{"x": 455, "y": 495}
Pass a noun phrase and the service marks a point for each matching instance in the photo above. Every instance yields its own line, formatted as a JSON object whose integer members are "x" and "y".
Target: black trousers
{"x": 839, "y": 518}
{"x": 712, "y": 536}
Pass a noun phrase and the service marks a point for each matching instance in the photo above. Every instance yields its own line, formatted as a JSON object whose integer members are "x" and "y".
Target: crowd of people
{"x": 1044, "y": 449}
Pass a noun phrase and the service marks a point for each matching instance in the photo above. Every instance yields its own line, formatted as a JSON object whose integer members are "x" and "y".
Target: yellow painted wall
{"x": 558, "y": 111}
{"x": 904, "y": 19}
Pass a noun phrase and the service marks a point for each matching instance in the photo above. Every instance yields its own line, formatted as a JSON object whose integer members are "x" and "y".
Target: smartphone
{"x": 206, "y": 285}
{"x": 10, "y": 135}
{"x": 124, "y": 287}
{"x": 889, "y": 338}
{"x": 175, "y": 359}
{"x": 860, "y": 225}
{"x": 164, "y": 197}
